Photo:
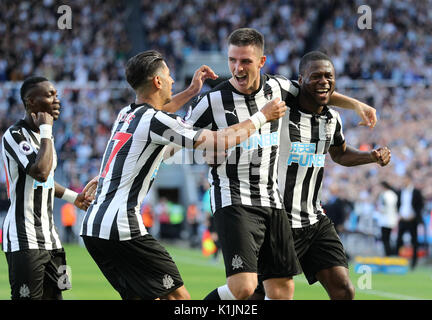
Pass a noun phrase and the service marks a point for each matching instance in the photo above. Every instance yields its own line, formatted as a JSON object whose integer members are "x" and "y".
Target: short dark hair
{"x": 312, "y": 56}
{"x": 29, "y": 84}
{"x": 142, "y": 67}
{"x": 245, "y": 37}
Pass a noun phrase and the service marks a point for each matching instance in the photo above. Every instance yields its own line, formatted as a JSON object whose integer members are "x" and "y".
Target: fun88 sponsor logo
{"x": 49, "y": 184}
{"x": 260, "y": 140}
{"x": 304, "y": 155}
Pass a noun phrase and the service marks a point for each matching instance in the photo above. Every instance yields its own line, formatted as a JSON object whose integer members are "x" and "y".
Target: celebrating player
{"x": 30, "y": 240}
{"x": 310, "y": 130}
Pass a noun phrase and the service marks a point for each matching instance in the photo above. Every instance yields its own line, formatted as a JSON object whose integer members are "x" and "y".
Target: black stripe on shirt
{"x": 136, "y": 188}
{"x": 19, "y": 211}
{"x": 231, "y": 167}
{"x": 50, "y": 217}
{"x": 256, "y": 159}
{"x": 274, "y": 127}
{"x": 37, "y": 216}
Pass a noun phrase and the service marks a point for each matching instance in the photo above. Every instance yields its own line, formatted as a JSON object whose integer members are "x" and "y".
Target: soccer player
{"x": 310, "y": 130}
{"x": 30, "y": 239}
{"x": 135, "y": 264}
{"x": 254, "y": 231}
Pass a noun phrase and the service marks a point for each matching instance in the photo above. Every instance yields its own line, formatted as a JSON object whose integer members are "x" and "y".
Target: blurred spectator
{"x": 147, "y": 216}
{"x": 410, "y": 204}
{"x": 192, "y": 218}
{"x": 68, "y": 219}
{"x": 388, "y": 215}
{"x": 337, "y": 208}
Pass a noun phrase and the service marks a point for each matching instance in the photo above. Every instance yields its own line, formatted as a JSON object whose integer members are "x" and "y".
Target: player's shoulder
{"x": 16, "y": 129}
{"x": 204, "y": 97}
{"x": 333, "y": 111}
{"x": 281, "y": 78}
{"x": 333, "y": 115}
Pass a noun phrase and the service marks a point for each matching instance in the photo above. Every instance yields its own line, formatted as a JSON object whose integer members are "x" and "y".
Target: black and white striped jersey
{"x": 249, "y": 174}
{"x": 305, "y": 140}
{"x": 29, "y": 223}
{"x": 132, "y": 157}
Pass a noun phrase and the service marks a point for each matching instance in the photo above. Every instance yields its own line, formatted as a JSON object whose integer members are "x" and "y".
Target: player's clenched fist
{"x": 42, "y": 118}
{"x": 381, "y": 155}
{"x": 274, "y": 109}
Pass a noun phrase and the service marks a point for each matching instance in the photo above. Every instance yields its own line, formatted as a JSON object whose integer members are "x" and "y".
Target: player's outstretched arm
{"x": 81, "y": 200}
{"x": 229, "y": 137}
{"x": 201, "y": 74}
{"x": 365, "y": 112}
{"x": 349, "y": 156}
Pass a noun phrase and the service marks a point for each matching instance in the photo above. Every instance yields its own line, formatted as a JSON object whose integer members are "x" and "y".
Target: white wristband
{"x": 258, "y": 119}
{"x": 45, "y": 131}
{"x": 69, "y": 195}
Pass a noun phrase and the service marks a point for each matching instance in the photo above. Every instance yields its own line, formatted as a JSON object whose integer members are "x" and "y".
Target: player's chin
{"x": 322, "y": 100}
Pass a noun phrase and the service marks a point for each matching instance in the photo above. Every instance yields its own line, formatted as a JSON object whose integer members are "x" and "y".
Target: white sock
{"x": 225, "y": 293}
{"x": 267, "y": 298}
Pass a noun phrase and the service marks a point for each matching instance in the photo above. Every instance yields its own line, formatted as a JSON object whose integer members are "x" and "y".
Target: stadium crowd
{"x": 90, "y": 56}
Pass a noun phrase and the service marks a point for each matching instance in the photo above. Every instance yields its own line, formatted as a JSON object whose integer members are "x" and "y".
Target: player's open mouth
{"x": 322, "y": 93}
{"x": 241, "y": 80}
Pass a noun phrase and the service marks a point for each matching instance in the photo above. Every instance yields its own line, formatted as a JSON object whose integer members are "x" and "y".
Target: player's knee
{"x": 243, "y": 292}
{"x": 344, "y": 291}
{"x": 280, "y": 289}
{"x": 349, "y": 291}
{"x": 242, "y": 286}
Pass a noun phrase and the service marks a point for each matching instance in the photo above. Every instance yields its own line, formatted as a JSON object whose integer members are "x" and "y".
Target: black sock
{"x": 214, "y": 295}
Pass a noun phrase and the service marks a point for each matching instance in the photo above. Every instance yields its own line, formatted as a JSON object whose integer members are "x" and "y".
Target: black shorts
{"x": 137, "y": 268}
{"x": 256, "y": 239}
{"x": 37, "y": 274}
{"x": 319, "y": 247}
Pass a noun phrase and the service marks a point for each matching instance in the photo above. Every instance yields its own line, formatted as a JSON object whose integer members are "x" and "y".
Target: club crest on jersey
{"x": 25, "y": 148}
{"x": 329, "y": 129}
{"x": 268, "y": 95}
{"x": 24, "y": 291}
{"x": 237, "y": 262}
{"x": 167, "y": 281}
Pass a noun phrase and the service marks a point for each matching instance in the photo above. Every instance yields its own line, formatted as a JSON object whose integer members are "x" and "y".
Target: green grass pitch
{"x": 202, "y": 274}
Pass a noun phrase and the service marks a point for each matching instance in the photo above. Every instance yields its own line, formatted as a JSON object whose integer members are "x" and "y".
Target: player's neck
{"x": 310, "y": 105}
{"x": 28, "y": 119}
{"x": 152, "y": 100}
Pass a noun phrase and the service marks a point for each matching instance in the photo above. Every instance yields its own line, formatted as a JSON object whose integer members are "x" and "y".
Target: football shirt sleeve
{"x": 200, "y": 113}
{"x": 169, "y": 128}
{"x": 338, "y": 137}
{"x": 18, "y": 148}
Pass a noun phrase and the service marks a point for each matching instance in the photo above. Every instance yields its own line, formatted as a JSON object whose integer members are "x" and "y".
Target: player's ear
{"x": 262, "y": 61}
{"x": 157, "y": 82}
{"x": 300, "y": 79}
